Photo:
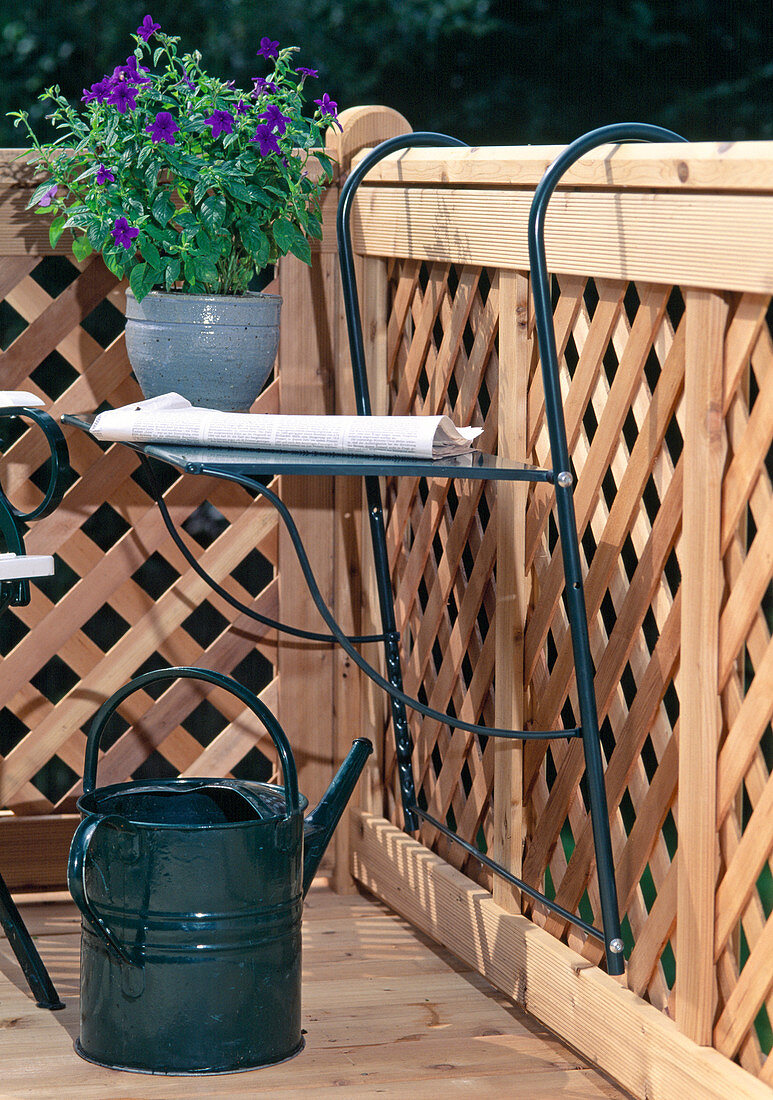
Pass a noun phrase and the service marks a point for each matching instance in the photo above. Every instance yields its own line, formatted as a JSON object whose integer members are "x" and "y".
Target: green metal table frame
{"x": 247, "y": 468}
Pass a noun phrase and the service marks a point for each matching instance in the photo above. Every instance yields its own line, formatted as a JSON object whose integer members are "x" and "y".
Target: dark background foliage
{"x": 489, "y": 71}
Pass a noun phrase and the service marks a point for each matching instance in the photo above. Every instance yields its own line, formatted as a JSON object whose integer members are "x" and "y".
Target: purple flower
{"x": 131, "y": 73}
{"x": 275, "y": 120}
{"x": 268, "y": 48}
{"x": 187, "y": 81}
{"x": 123, "y": 233}
{"x": 99, "y": 91}
{"x": 327, "y": 106}
{"x": 104, "y": 175}
{"x": 222, "y": 122}
{"x": 163, "y": 128}
{"x": 262, "y": 85}
{"x": 241, "y": 107}
{"x": 48, "y": 196}
{"x": 307, "y": 72}
{"x": 266, "y": 140}
{"x": 147, "y": 28}
{"x": 123, "y": 97}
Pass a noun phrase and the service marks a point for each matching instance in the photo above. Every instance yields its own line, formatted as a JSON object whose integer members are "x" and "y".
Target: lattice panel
{"x": 623, "y": 353}
{"x": 623, "y": 363}
{"x": 622, "y": 357}
{"x": 442, "y": 540}
{"x": 744, "y": 900}
{"x": 123, "y": 599}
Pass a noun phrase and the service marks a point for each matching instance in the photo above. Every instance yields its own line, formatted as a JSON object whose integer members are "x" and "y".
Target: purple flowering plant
{"x": 182, "y": 180}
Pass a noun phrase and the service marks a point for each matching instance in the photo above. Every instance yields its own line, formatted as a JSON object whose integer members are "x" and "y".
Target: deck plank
{"x": 386, "y": 1013}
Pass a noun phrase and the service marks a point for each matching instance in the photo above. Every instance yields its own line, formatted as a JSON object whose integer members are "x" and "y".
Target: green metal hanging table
{"x": 249, "y": 467}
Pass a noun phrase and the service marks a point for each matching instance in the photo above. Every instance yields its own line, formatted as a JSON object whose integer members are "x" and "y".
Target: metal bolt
{"x": 565, "y": 479}
{"x": 616, "y": 946}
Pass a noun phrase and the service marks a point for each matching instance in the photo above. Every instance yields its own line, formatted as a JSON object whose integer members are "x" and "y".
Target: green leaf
{"x": 211, "y": 249}
{"x": 189, "y": 267}
{"x": 302, "y": 249}
{"x": 213, "y": 211}
{"x": 237, "y": 190}
{"x": 289, "y": 238}
{"x": 97, "y": 235}
{"x": 56, "y": 229}
{"x": 255, "y": 241}
{"x": 154, "y": 232}
{"x": 38, "y": 194}
{"x": 142, "y": 279}
{"x": 136, "y": 278}
{"x": 163, "y": 208}
{"x": 151, "y": 255}
{"x": 326, "y": 164}
{"x": 206, "y": 271}
{"x": 187, "y": 221}
{"x": 151, "y": 176}
{"x": 171, "y": 272}
{"x": 284, "y": 234}
{"x": 81, "y": 248}
{"x": 200, "y": 190}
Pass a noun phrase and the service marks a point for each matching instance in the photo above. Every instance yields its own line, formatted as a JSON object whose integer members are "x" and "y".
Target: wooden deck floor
{"x": 386, "y": 1014}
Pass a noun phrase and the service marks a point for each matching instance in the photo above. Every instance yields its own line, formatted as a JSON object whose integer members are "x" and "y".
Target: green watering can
{"x": 191, "y": 892}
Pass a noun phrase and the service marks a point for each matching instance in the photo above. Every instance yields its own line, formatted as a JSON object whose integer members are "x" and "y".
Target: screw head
{"x": 616, "y": 946}
{"x": 565, "y": 479}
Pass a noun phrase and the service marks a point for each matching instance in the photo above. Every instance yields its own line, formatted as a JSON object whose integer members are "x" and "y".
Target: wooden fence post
{"x": 361, "y": 127}
{"x": 700, "y": 716}
{"x": 515, "y": 348}
{"x": 305, "y": 668}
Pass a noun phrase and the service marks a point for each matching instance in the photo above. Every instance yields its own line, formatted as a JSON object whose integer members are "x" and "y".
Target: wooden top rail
{"x": 699, "y": 217}
{"x": 729, "y": 166}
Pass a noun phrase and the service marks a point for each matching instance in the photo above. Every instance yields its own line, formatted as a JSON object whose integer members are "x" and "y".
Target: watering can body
{"x": 191, "y": 892}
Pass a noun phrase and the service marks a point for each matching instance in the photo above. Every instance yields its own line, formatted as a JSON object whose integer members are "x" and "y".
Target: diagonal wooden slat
{"x": 52, "y": 326}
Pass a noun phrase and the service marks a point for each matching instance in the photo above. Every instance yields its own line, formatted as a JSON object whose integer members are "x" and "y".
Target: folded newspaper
{"x": 19, "y": 399}
{"x": 170, "y": 418}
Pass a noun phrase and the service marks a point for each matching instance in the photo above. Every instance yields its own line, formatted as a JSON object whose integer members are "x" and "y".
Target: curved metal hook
{"x": 543, "y": 312}
{"x": 420, "y": 139}
{"x": 60, "y": 464}
{"x": 17, "y": 592}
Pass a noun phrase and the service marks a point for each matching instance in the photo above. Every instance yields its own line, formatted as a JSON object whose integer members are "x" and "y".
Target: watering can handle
{"x": 275, "y": 731}
{"x": 76, "y": 877}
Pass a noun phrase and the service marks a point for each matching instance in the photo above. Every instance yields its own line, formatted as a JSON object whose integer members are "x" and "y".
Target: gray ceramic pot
{"x": 215, "y": 349}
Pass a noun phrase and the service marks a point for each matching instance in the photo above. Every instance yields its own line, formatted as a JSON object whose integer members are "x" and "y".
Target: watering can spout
{"x": 321, "y": 822}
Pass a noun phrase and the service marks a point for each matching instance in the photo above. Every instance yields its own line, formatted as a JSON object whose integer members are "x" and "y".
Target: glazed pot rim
{"x": 179, "y": 295}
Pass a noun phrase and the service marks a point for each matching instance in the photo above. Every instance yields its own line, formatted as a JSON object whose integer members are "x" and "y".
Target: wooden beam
{"x": 306, "y": 386}
{"x": 34, "y": 850}
{"x": 694, "y": 239}
{"x": 618, "y": 1032}
{"x": 515, "y": 348}
{"x": 700, "y": 717}
{"x": 735, "y": 166}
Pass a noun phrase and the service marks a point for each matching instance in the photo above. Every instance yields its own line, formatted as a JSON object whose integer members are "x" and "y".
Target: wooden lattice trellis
{"x": 123, "y": 599}
{"x": 662, "y": 305}
{"x": 623, "y": 354}
{"x": 626, "y": 346}
{"x": 442, "y": 536}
